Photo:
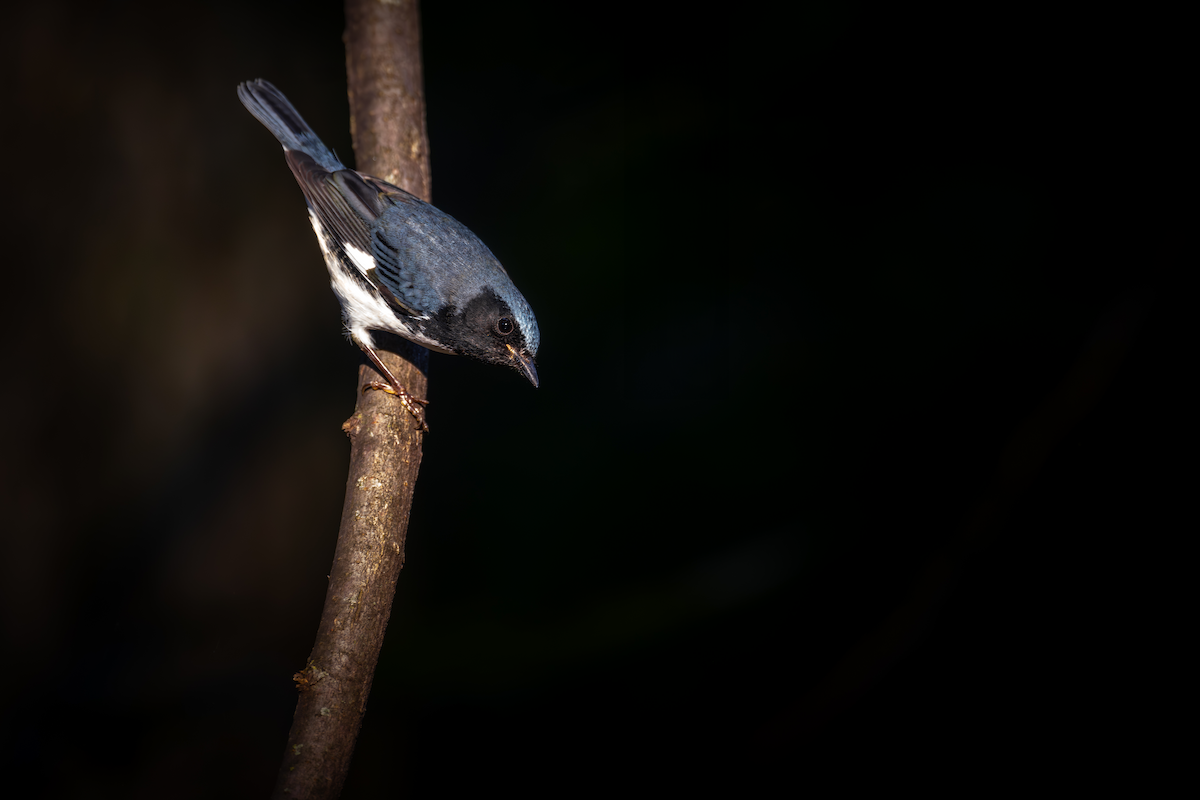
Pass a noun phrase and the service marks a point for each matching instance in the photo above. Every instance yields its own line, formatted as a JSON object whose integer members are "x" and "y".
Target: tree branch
{"x": 387, "y": 121}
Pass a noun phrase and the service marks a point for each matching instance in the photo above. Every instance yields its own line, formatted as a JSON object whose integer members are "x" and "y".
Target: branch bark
{"x": 387, "y": 121}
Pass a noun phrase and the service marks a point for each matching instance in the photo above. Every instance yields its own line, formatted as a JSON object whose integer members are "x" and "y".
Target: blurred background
{"x": 846, "y": 455}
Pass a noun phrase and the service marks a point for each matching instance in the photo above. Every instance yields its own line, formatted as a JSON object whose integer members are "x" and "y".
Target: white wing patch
{"x": 362, "y": 261}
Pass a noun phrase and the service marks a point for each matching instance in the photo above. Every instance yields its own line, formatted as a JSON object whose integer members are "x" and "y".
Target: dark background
{"x": 852, "y": 453}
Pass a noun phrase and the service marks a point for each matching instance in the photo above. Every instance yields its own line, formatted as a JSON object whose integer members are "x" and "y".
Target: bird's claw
{"x": 406, "y": 400}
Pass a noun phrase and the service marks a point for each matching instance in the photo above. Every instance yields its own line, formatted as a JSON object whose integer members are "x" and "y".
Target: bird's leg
{"x": 393, "y": 387}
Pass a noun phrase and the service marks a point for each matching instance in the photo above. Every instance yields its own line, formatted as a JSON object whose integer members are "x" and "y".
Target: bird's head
{"x": 498, "y": 327}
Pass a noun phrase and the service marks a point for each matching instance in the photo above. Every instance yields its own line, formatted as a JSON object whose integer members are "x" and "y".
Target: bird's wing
{"x": 344, "y": 203}
{"x": 347, "y": 205}
{"x": 404, "y": 270}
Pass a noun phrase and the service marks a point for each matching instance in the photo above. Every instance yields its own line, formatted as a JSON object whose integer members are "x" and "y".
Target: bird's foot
{"x": 407, "y": 400}
{"x": 393, "y": 386}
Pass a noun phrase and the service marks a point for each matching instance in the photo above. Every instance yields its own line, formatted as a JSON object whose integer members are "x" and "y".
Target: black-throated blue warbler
{"x": 396, "y": 263}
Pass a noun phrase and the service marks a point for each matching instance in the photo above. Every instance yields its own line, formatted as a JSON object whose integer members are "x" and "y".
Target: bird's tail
{"x": 271, "y": 108}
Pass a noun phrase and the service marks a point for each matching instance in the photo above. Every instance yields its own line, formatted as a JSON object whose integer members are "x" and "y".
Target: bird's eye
{"x": 504, "y": 326}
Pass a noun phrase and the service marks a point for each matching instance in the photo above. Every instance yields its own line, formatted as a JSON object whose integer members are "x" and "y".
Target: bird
{"x": 396, "y": 263}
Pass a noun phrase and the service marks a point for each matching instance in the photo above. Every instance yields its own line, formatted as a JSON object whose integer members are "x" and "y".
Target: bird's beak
{"x": 524, "y": 363}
